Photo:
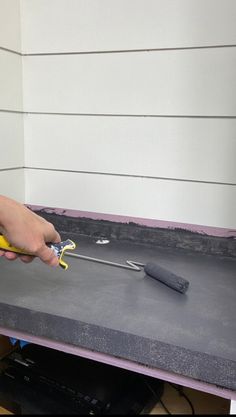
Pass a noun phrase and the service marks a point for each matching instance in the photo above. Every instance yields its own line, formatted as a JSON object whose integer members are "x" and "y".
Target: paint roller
{"x": 152, "y": 270}
{"x": 168, "y": 278}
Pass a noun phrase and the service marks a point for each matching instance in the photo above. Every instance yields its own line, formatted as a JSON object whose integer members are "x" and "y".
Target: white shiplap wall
{"x": 10, "y": 81}
{"x": 132, "y": 108}
{"x": 10, "y": 25}
{"x": 185, "y": 82}
{"x": 107, "y": 25}
{"x": 11, "y": 106}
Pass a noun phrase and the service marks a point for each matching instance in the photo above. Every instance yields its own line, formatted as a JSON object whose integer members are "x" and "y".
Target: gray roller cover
{"x": 166, "y": 277}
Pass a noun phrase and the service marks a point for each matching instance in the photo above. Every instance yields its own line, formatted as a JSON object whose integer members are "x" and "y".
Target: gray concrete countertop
{"x": 127, "y": 314}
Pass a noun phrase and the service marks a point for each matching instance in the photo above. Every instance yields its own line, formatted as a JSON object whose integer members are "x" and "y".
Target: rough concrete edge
{"x": 136, "y": 233}
{"x": 197, "y": 365}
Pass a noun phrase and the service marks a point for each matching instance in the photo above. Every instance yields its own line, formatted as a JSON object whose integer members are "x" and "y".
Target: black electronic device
{"x": 45, "y": 381}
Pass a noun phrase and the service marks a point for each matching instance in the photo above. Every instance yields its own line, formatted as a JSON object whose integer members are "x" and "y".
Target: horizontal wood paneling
{"x": 11, "y": 124}
{"x": 189, "y": 82}
{"x": 194, "y": 155}
{"x": 10, "y": 81}
{"x": 12, "y": 140}
{"x": 90, "y": 25}
{"x": 179, "y": 201}
{"x": 12, "y": 184}
{"x": 10, "y": 30}
{"x": 192, "y": 149}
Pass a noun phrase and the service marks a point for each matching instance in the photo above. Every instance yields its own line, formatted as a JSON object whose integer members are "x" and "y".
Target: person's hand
{"x": 27, "y": 231}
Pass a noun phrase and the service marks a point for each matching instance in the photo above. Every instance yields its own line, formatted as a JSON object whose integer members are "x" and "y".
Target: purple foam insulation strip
{"x": 208, "y": 230}
{"x": 122, "y": 363}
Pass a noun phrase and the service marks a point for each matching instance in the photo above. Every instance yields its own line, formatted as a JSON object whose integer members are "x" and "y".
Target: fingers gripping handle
{"x": 58, "y": 248}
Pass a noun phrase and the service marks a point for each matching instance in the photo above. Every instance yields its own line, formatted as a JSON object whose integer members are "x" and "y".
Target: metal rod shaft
{"x": 129, "y": 264}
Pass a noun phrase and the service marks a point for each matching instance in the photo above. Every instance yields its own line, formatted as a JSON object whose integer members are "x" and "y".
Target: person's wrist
{"x": 2, "y": 211}
{"x": 7, "y": 211}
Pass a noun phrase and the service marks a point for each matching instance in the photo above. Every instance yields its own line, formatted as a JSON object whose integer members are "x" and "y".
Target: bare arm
{"x": 27, "y": 231}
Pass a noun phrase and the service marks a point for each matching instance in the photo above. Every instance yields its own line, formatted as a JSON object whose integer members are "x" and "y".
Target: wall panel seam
{"x": 11, "y": 168}
{"x": 118, "y": 51}
{"x": 11, "y": 111}
{"x": 171, "y": 116}
{"x": 125, "y": 51}
{"x": 130, "y": 176}
{"x": 11, "y": 51}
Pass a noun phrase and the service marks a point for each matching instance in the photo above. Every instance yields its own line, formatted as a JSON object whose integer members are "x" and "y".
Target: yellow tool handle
{"x": 5, "y": 245}
{"x": 59, "y": 249}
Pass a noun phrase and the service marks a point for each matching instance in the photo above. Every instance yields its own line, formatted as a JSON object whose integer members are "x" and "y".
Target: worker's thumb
{"x": 48, "y": 256}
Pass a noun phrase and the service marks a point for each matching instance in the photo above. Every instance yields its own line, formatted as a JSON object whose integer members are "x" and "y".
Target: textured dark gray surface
{"x": 136, "y": 233}
{"x": 127, "y": 314}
